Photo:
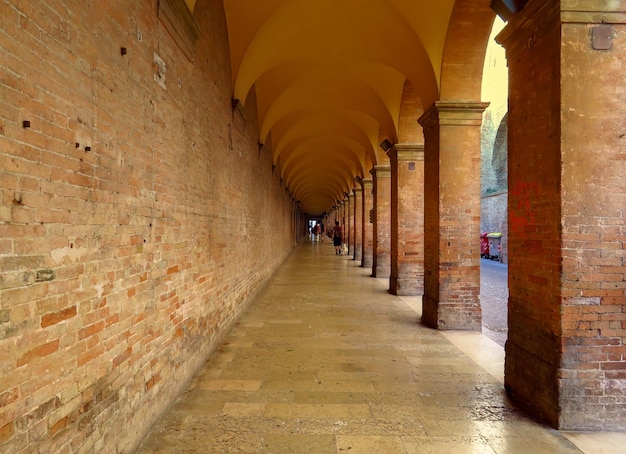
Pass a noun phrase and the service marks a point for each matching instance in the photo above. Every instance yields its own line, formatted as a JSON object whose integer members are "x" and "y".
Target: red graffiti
{"x": 520, "y": 204}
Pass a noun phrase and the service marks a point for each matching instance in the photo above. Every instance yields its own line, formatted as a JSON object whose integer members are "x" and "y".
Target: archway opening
{"x": 494, "y": 192}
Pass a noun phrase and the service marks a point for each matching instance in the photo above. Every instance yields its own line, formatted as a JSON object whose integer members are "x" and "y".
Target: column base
{"x": 381, "y": 272}
{"x": 406, "y": 287}
{"x": 443, "y": 317}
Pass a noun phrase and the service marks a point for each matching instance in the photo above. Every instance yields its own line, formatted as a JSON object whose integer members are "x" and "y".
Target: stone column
{"x": 567, "y": 295}
{"x": 407, "y": 219}
{"x": 347, "y": 234}
{"x": 343, "y": 221}
{"x": 358, "y": 221}
{"x": 368, "y": 206}
{"x": 452, "y": 215}
{"x": 350, "y": 226}
{"x": 381, "y": 238}
{"x": 340, "y": 213}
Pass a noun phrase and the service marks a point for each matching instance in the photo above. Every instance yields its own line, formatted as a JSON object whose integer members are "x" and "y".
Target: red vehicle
{"x": 494, "y": 239}
{"x": 484, "y": 245}
{"x": 490, "y": 245}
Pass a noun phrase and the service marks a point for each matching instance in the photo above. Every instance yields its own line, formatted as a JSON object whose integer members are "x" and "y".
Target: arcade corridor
{"x": 159, "y": 163}
{"x": 327, "y": 361}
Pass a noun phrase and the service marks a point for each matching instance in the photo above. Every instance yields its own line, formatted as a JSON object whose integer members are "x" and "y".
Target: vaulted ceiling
{"x": 331, "y": 78}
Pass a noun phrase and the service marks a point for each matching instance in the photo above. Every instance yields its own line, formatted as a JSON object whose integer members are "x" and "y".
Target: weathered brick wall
{"x": 368, "y": 228}
{"x": 565, "y": 350}
{"x": 358, "y": 222}
{"x": 452, "y": 215}
{"x": 593, "y": 216}
{"x": 532, "y": 349}
{"x": 432, "y": 222}
{"x": 493, "y": 212}
{"x": 136, "y": 220}
{"x": 381, "y": 239}
{"x": 407, "y": 220}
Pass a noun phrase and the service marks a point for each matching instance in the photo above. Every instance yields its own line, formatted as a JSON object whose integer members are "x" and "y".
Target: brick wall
{"x": 452, "y": 215}
{"x": 565, "y": 349}
{"x": 367, "y": 257}
{"x": 407, "y": 220}
{"x": 381, "y": 239}
{"x": 594, "y": 229}
{"x": 532, "y": 350}
{"x": 137, "y": 218}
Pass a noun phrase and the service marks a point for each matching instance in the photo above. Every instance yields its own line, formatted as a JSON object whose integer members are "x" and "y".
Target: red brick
{"x": 56, "y": 317}
{"x": 119, "y": 359}
{"x": 90, "y": 330}
{"x": 91, "y": 354}
{"x": 6, "y": 432}
{"x": 41, "y": 351}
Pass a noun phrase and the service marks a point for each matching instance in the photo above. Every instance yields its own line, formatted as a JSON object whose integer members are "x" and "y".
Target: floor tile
{"x": 325, "y": 360}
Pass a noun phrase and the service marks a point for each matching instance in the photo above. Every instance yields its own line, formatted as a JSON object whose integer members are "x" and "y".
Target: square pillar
{"x": 452, "y": 215}
{"x": 407, "y": 219}
{"x": 567, "y": 298}
{"x": 381, "y": 244}
{"x": 348, "y": 217}
{"x": 368, "y": 230}
{"x": 350, "y": 242}
{"x": 358, "y": 221}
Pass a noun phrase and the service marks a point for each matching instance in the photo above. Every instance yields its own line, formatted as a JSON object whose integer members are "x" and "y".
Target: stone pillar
{"x": 344, "y": 219}
{"x": 407, "y": 219}
{"x": 368, "y": 206}
{"x": 350, "y": 226}
{"x": 567, "y": 298}
{"x": 381, "y": 238}
{"x": 340, "y": 213}
{"x": 349, "y": 214}
{"x": 452, "y": 215}
{"x": 358, "y": 221}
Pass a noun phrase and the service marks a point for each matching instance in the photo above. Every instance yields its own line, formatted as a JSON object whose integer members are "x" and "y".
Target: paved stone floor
{"x": 327, "y": 361}
{"x": 494, "y": 294}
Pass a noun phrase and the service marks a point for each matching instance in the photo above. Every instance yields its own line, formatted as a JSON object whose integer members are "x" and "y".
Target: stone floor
{"x": 326, "y": 361}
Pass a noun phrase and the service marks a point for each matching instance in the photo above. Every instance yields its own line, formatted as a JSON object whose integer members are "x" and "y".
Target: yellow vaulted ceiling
{"x": 329, "y": 77}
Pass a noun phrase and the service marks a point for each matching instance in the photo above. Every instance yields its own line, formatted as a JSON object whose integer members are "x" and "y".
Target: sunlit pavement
{"x": 494, "y": 293}
{"x": 325, "y": 360}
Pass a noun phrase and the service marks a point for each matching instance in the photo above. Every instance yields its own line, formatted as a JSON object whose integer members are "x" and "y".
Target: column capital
{"x": 368, "y": 183}
{"x": 381, "y": 171}
{"x": 530, "y": 24}
{"x": 600, "y": 13}
{"x": 404, "y": 152}
{"x": 357, "y": 189}
{"x": 460, "y": 113}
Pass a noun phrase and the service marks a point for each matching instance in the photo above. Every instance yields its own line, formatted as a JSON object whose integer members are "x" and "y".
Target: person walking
{"x": 316, "y": 232}
{"x": 322, "y": 232}
{"x": 337, "y": 238}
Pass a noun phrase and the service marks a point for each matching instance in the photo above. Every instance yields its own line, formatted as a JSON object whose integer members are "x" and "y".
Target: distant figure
{"x": 337, "y": 238}
{"x": 316, "y": 232}
{"x": 322, "y": 232}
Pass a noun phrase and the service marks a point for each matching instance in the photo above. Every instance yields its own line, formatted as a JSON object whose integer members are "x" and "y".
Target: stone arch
{"x": 499, "y": 157}
{"x": 464, "y": 53}
{"x": 409, "y": 130}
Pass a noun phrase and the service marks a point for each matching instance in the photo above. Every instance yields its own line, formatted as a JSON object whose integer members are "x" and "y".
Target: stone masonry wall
{"x": 593, "y": 369}
{"x": 137, "y": 218}
{"x": 566, "y": 344}
{"x": 532, "y": 348}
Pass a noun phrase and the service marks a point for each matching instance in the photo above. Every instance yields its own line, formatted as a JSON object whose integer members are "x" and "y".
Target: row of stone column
{"x": 565, "y": 351}
{"x": 417, "y": 222}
